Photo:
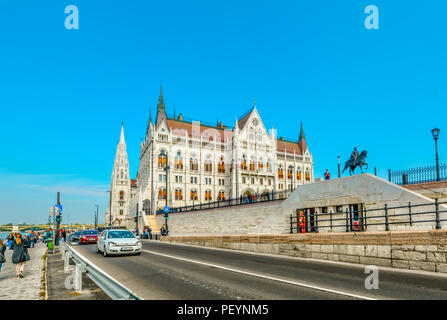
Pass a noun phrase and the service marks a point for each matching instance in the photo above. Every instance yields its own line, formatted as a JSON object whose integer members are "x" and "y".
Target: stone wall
{"x": 432, "y": 190}
{"x": 366, "y": 191}
{"x": 263, "y": 217}
{"x": 415, "y": 250}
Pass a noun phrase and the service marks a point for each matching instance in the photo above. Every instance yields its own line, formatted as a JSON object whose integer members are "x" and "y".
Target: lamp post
{"x": 166, "y": 168}
{"x": 435, "y": 133}
{"x": 291, "y": 177}
{"x": 110, "y": 207}
{"x": 339, "y": 174}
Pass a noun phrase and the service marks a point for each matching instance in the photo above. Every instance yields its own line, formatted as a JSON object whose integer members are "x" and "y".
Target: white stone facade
{"x": 210, "y": 163}
{"x": 120, "y": 188}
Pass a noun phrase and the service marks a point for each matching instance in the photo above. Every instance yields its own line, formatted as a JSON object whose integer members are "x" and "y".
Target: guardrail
{"x": 109, "y": 285}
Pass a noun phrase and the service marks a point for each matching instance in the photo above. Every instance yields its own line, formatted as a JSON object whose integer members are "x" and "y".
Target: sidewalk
{"x": 28, "y": 287}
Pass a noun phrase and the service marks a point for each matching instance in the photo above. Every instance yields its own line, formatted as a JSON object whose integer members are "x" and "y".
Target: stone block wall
{"x": 415, "y": 250}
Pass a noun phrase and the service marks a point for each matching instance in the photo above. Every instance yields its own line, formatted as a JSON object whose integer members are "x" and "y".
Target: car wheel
{"x": 105, "y": 252}
{"x": 97, "y": 249}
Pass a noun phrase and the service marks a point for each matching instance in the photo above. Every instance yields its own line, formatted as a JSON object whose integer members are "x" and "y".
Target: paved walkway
{"x": 28, "y": 287}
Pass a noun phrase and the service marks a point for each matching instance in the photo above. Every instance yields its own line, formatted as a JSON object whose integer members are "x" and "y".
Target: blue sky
{"x": 64, "y": 93}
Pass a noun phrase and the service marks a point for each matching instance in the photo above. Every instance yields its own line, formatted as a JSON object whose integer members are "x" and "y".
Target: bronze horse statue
{"x": 359, "y": 162}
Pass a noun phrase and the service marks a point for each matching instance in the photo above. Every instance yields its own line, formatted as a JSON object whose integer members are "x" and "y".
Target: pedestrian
{"x": 2, "y": 253}
{"x": 64, "y": 235}
{"x": 10, "y": 239}
{"x": 31, "y": 239}
{"x": 327, "y": 175}
{"x": 20, "y": 254}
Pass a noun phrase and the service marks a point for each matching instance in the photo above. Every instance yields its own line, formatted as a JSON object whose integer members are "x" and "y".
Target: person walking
{"x": 327, "y": 175}
{"x": 2, "y": 253}
{"x": 64, "y": 235}
{"x": 32, "y": 236}
{"x": 20, "y": 254}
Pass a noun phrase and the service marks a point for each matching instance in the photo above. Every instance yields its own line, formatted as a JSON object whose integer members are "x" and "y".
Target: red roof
{"x": 287, "y": 146}
{"x": 179, "y": 128}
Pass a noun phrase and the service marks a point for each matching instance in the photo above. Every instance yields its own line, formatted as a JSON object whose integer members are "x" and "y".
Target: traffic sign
{"x": 166, "y": 209}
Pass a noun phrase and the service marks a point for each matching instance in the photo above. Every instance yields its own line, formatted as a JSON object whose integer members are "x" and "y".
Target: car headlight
{"x": 112, "y": 244}
{"x": 138, "y": 243}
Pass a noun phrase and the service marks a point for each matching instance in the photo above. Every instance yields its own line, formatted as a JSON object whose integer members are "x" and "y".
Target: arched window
{"x": 161, "y": 193}
{"x": 208, "y": 164}
{"x": 122, "y": 174}
{"x": 252, "y": 164}
{"x": 121, "y": 195}
{"x": 259, "y": 135}
{"x": 280, "y": 172}
{"x": 208, "y": 195}
{"x": 178, "y": 162}
{"x": 221, "y": 196}
{"x": 193, "y": 164}
{"x": 178, "y": 194}
{"x": 162, "y": 159}
{"x": 269, "y": 166}
{"x": 221, "y": 165}
{"x": 307, "y": 175}
{"x": 244, "y": 162}
{"x": 194, "y": 194}
{"x": 261, "y": 165}
{"x": 298, "y": 174}
{"x": 251, "y": 134}
{"x": 289, "y": 172}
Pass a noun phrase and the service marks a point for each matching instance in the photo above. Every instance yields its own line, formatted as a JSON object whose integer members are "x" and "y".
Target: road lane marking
{"x": 263, "y": 276}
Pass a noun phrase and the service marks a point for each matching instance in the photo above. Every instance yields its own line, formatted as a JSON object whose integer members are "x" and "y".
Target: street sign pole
{"x": 54, "y": 228}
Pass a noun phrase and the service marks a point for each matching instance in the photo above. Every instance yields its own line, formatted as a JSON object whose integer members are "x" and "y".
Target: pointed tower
{"x": 302, "y": 140}
{"x": 161, "y": 112}
{"x": 120, "y": 186}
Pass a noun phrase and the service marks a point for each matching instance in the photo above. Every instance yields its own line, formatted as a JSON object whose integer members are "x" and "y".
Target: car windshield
{"x": 77, "y": 233}
{"x": 90, "y": 232}
{"x": 120, "y": 234}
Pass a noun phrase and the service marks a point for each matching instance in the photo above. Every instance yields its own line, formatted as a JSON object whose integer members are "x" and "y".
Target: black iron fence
{"x": 309, "y": 220}
{"x": 242, "y": 200}
{"x": 418, "y": 175}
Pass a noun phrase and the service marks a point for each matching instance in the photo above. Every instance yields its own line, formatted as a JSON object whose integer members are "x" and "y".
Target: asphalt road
{"x": 170, "y": 271}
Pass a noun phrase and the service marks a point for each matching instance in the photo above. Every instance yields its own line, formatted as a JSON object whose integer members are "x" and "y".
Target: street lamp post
{"x": 291, "y": 177}
{"x": 166, "y": 169}
{"x": 435, "y": 133}
{"x": 110, "y": 208}
{"x": 339, "y": 174}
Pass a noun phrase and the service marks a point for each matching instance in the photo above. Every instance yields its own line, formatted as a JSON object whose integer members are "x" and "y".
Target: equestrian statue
{"x": 356, "y": 160}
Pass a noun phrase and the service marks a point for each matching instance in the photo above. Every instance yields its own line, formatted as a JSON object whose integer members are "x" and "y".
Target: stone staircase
{"x": 152, "y": 223}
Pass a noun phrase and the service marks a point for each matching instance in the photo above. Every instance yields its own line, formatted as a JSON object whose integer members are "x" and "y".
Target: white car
{"x": 118, "y": 241}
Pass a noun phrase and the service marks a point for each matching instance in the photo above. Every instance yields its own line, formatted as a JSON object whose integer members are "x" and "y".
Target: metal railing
{"x": 418, "y": 175}
{"x": 110, "y": 286}
{"x": 359, "y": 220}
{"x": 265, "y": 197}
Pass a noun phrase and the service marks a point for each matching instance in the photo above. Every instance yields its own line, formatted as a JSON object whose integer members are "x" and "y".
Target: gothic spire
{"x": 122, "y": 140}
{"x": 302, "y": 140}
{"x": 161, "y": 113}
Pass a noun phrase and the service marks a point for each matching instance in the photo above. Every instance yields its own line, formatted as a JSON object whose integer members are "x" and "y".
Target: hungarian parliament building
{"x": 190, "y": 163}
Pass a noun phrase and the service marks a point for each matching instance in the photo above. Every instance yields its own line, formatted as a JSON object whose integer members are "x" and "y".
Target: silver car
{"x": 114, "y": 242}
